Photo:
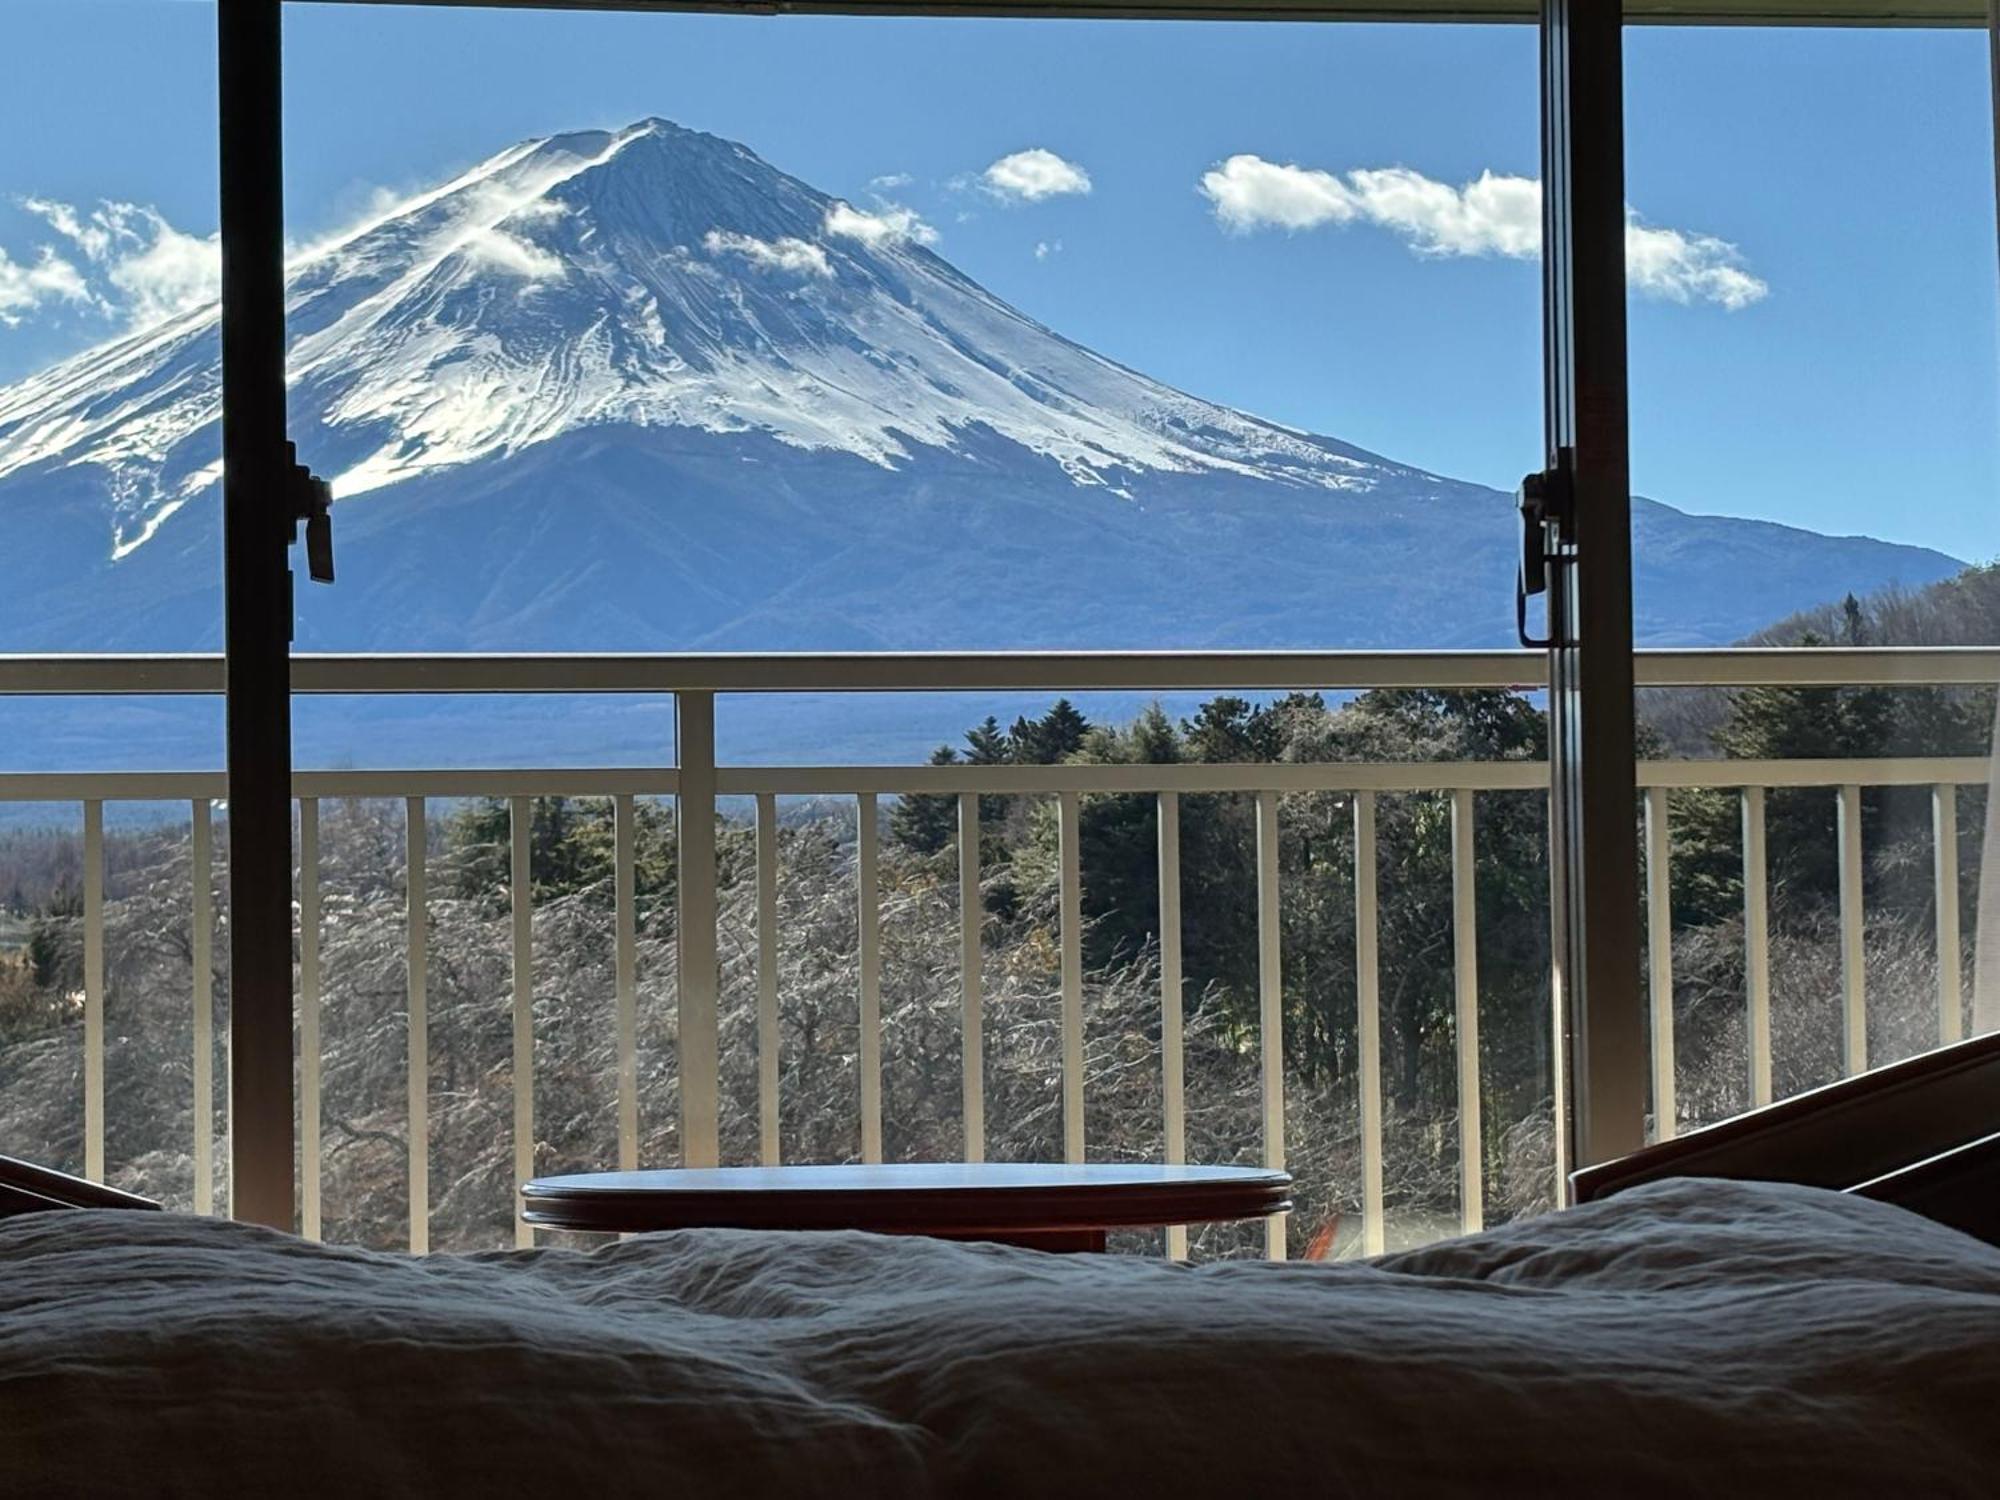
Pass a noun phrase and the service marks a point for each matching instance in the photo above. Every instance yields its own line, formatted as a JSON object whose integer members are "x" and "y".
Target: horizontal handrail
{"x": 180, "y": 786}
{"x": 1818, "y": 666}
{"x": 996, "y": 780}
{"x": 1005, "y": 671}
{"x": 1911, "y": 770}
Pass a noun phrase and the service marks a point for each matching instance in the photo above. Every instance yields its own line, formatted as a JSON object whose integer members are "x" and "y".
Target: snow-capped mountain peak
{"x": 651, "y": 277}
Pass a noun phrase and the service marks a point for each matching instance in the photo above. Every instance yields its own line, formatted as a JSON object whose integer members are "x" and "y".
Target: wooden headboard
{"x": 28, "y": 1189}
{"x": 1924, "y": 1132}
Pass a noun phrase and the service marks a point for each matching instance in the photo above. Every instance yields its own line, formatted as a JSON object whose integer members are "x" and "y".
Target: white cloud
{"x": 1493, "y": 215}
{"x": 24, "y": 288}
{"x": 787, "y": 254}
{"x": 168, "y": 276}
{"x": 153, "y": 270}
{"x": 1045, "y": 248}
{"x": 1248, "y": 193}
{"x": 479, "y": 233}
{"x": 92, "y": 239}
{"x": 1032, "y": 175}
{"x": 888, "y": 182}
{"x": 890, "y": 224}
{"x": 494, "y": 246}
{"x": 1688, "y": 267}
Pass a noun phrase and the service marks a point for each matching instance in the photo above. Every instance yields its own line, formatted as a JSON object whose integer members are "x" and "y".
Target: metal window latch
{"x": 309, "y": 498}
{"x": 1547, "y": 500}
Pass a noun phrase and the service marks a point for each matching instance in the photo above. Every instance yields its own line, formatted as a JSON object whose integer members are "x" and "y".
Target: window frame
{"x": 1602, "y": 1019}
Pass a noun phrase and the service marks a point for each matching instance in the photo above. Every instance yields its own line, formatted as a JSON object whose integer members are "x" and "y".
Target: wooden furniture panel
{"x": 1053, "y": 1206}
{"x": 1920, "y": 1133}
{"x": 1960, "y": 1187}
{"x": 27, "y": 1189}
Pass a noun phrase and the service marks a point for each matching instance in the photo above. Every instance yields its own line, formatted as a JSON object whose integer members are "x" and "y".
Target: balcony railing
{"x": 697, "y": 781}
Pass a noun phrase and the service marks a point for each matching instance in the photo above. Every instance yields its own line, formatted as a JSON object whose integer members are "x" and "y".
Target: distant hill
{"x": 1962, "y": 610}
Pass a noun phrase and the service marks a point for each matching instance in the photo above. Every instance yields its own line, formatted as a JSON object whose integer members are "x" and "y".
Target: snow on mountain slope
{"x": 653, "y": 277}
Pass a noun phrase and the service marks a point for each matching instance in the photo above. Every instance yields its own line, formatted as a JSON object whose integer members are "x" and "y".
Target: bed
{"x": 1684, "y": 1337}
{"x": 1681, "y": 1332}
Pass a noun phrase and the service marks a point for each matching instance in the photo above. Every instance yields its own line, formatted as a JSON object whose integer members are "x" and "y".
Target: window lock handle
{"x": 1547, "y": 503}
{"x": 309, "y": 498}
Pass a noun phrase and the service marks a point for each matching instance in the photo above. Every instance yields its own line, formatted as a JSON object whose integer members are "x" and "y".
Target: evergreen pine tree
{"x": 927, "y": 824}
{"x": 1154, "y": 739}
{"x": 1119, "y": 842}
{"x": 572, "y": 846}
{"x": 1229, "y": 729}
{"x": 987, "y": 744}
{"x": 1051, "y": 739}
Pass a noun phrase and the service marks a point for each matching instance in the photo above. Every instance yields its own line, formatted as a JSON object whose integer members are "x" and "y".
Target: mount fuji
{"x": 641, "y": 390}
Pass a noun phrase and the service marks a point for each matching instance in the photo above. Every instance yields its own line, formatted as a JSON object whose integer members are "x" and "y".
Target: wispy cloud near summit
{"x": 136, "y": 265}
{"x": 890, "y": 224}
{"x": 786, "y": 254}
{"x": 24, "y": 289}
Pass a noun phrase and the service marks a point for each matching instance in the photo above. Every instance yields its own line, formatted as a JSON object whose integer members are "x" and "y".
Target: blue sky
{"x": 1821, "y": 200}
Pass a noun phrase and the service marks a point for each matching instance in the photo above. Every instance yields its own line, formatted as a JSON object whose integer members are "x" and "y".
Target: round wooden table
{"x": 1047, "y": 1206}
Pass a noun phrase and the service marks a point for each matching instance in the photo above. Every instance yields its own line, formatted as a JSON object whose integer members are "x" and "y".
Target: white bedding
{"x": 1685, "y": 1339}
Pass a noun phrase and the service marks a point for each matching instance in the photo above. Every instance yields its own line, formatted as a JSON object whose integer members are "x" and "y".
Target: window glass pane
{"x": 912, "y": 334}
{"x": 109, "y": 504}
{"x": 1065, "y": 336}
{"x": 1813, "y": 353}
{"x": 679, "y": 333}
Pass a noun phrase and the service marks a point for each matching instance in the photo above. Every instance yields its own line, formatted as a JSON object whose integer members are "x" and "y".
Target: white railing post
{"x": 1271, "y": 1005}
{"x": 1951, "y": 978}
{"x": 1660, "y": 959}
{"x": 624, "y": 858}
{"x": 521, "y": 908}
{"x": 1853, "y": 918}
{"x": 696, "y": 936}
{"x": 971, "y": 1000}
{"x": 1173, "y": 1057}
{"x": 93, "y": 990}
{"x": 1559, "y": 1110}
{"x": 1467, "y": 1005}
{"x": 1368, "y": 1019}
{"x": 309, "y": 1015}
{"x": 768, "y": 1144}
{"x": 868, "y": 914}
{"x": 416, "y": 855}
{"x": 201, "y": 954}
{"x": 1465, "y": 993}
{"x": 1757, "y": 944}
{"x": 1070, "y": 892}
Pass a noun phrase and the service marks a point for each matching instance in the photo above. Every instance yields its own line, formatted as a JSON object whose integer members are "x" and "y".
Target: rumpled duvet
{"x": 1684, "y": 1339}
